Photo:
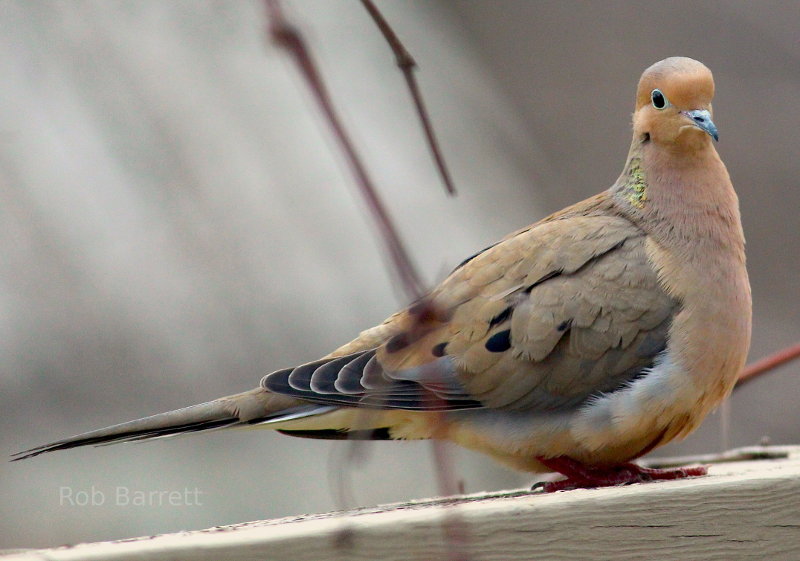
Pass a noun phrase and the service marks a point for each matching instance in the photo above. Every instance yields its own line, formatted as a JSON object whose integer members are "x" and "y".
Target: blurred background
{"x": 175, "y": 221}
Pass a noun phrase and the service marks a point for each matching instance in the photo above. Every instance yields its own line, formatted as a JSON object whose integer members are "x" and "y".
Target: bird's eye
{"x": 659, "y": 101}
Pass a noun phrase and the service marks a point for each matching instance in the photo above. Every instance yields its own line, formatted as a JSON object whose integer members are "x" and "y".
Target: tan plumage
{"x": 580, "y": 342}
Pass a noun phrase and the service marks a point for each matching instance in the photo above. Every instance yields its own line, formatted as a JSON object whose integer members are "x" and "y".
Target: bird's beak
{"x": 702, "y": 120}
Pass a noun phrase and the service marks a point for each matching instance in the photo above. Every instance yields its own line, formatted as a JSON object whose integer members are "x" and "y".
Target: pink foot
{"x": 580, "y": 476}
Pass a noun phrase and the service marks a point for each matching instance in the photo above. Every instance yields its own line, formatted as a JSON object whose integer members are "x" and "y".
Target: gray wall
{"x": 174, "y": 222}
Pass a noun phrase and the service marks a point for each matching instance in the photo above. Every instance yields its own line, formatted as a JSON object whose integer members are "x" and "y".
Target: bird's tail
{"x": 249, "y": 408}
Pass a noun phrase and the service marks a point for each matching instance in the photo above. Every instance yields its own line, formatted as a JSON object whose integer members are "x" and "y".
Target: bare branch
{"x": 453, "y": 525}
{"x": 287, "y": 36}
{"x": 407, "y": 65}
{"x": 760, "y": 367}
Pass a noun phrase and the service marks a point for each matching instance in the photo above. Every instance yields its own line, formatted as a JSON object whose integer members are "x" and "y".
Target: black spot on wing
{"x": 499, "y": 342}
{"x": 564, "y": 325}
{"x": 439, "y": 350}
{"x": 397, "y": 342}
{"x": 503, "y": 316}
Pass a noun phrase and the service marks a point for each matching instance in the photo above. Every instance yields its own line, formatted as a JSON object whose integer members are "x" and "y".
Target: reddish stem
{"x": 287, "y": 36}
{"x": 760, "y": 367}
{"x": 407, "y": 65}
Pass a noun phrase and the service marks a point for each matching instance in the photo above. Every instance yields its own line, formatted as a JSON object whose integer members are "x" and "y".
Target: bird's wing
{"x": 548, "y": 317}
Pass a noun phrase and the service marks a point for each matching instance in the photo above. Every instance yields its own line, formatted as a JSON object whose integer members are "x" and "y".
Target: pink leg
{"x": 580, "y": 476}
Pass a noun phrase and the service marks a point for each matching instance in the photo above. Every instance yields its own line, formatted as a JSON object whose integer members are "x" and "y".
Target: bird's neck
{"x": 683, "y": 200}
{"x": 689, "y": 210}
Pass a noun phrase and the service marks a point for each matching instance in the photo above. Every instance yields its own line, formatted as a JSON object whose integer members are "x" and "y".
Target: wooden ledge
{"x": 741, "y": 510}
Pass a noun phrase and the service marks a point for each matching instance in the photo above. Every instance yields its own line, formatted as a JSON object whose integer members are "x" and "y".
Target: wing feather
{"x": 543, "y": 320}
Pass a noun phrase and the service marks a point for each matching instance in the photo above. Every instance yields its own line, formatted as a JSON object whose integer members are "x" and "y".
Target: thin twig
{"x": 407, "y": 65}
{"x": 286, "y": 36}
{"x": 760, "y": 367}
{"x": 289, "y": 38}
{"x": 454, "y": 527}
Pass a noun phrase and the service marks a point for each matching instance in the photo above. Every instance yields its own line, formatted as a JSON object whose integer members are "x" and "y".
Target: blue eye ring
{"x": 658, "y": 99}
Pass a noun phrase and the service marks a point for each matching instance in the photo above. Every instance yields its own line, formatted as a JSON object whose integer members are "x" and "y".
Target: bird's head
{"x": 673, "y": 105}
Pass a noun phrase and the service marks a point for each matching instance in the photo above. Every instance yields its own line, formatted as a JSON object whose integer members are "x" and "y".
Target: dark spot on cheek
{"x": 439, "y": 350}
{"x": 397, "y": 342}
{"x": 501, "y": 317}
{"x": 499, "y": 342}
{"x": 646, "y": 137}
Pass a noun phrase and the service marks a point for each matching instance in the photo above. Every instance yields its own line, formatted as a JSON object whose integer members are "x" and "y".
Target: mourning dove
{"x": 576, "y": 344}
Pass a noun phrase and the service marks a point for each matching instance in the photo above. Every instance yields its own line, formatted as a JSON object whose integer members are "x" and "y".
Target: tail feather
{"x": 248, "y": 408}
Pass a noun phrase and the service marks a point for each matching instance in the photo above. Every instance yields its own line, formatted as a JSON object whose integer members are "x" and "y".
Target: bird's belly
{"x": 608, "y": 429}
